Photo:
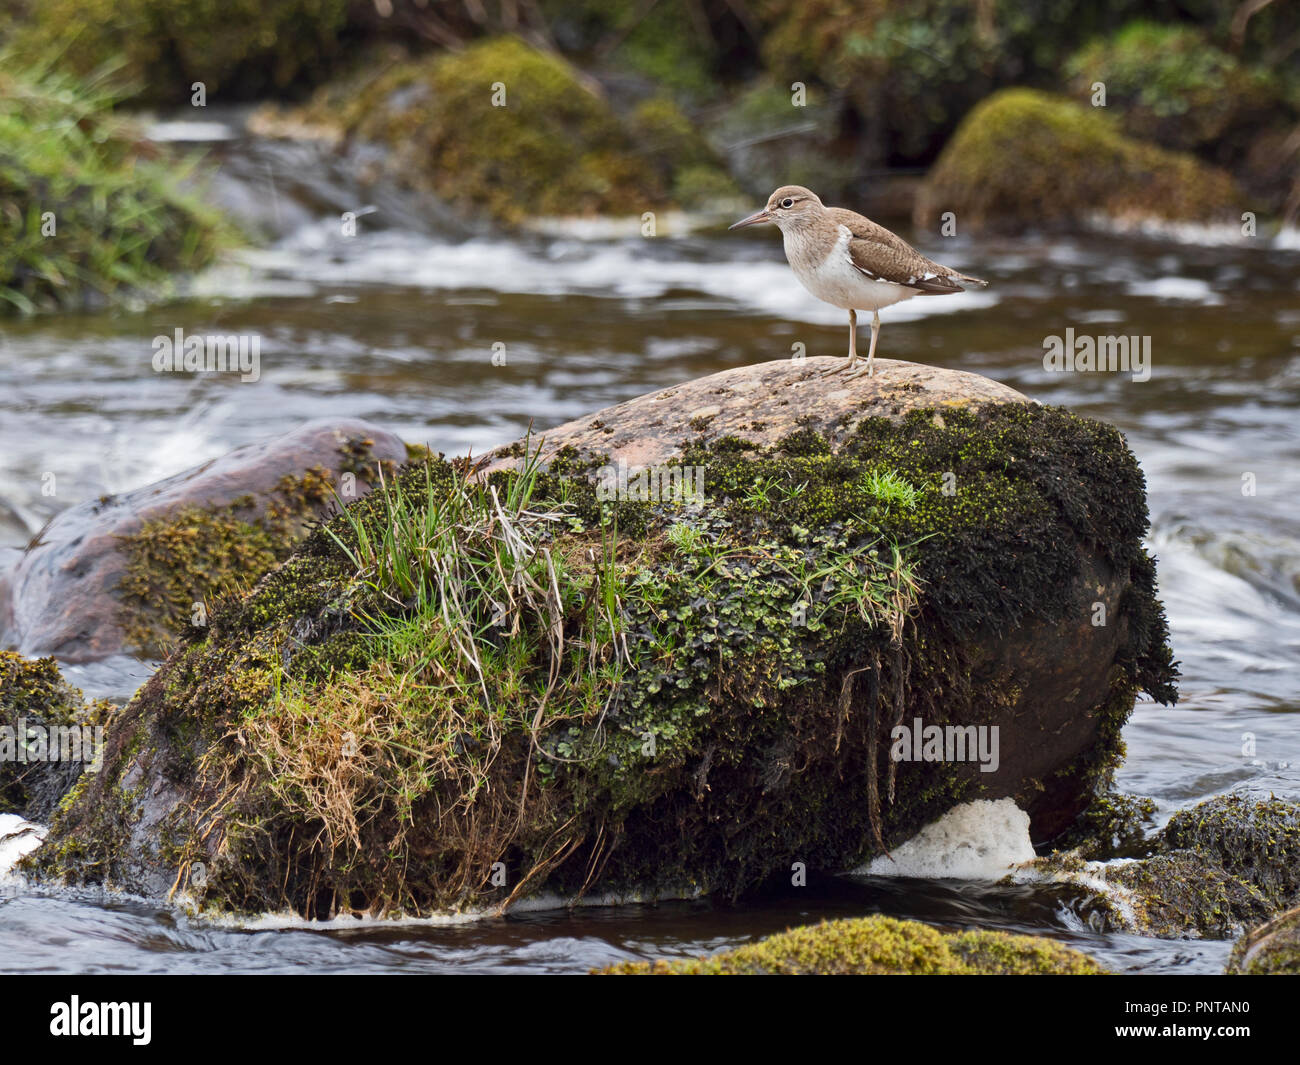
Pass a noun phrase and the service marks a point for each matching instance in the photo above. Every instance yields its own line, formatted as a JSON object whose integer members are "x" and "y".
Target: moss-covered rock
{"x": 48, "y": 735}
{"x": 239, "y": 49}
{"x": 1221, "y": 866}
{"x": 464, "y": 691}
{"x": 880, "y": 946}
{"x": 87, "y": 207}
{"x": 130, "y": 573}
{"x": 508, "y": 130}
{"x": 1024, "y": 159}
{"x": 1272, "y": 949}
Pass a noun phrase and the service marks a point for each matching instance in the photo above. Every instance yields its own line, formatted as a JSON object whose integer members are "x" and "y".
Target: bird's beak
{"x": 757, "y": 218}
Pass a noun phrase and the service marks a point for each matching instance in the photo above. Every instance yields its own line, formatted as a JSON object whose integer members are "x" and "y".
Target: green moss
{"x": 1171, "y": 86}
{"x": 909, "y": 70}
{"x": 500, "y": 127}
{"x": 179, "y": 564}
{"x": 715, "y": 710}
{"x": 880, "y": 946}
{"x": 1181, "y": 894}
{"x": 34, "y": 696}
{"x": 673, "y": 144}
{"x": 1115, "y": 825}
{"x": 1026, "y": 159}
{"x": 239, "y": 49}
{"x": 1255, "y": 839}
{"x": 87, "y": 209}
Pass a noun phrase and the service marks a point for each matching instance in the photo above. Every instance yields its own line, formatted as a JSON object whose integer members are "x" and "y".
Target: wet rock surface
{"x": 1271, "y": 949}
{"x": 122, "y": 573}
{"x": 1215, "y": 869}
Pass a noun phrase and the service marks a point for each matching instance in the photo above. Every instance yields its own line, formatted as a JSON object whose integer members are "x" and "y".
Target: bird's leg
{"x": 871, "y": 351}
{"x": 853, "y": 344}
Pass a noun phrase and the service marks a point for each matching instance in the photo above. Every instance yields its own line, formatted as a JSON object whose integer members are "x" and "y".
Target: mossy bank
{"x": 464, "y": 691}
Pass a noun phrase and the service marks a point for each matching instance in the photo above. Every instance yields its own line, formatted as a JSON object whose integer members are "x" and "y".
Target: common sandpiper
{"x": 849, "y": 261}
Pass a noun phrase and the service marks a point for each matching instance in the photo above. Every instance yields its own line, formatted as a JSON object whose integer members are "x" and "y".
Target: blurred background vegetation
{"x": 616, "y": 106}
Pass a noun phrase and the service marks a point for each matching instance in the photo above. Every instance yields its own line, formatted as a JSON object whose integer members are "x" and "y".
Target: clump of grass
{"x": 890, "y": 489}
{"x": 483, "y": 627}
{"x": 686, "y": 538}
{"x": 88, "y": 208}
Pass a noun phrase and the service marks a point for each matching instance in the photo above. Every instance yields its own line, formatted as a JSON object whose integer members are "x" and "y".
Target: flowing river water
{"x": 399, "y": 325}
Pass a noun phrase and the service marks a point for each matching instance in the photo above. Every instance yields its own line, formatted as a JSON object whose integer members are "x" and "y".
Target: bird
{"x": 849, "y": 261}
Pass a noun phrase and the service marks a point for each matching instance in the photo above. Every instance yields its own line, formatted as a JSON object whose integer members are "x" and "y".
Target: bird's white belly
{"x": 835, "y": 280}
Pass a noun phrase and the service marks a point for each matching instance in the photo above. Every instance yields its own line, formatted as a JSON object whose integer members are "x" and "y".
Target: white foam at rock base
{"x": 17, "y": 838}
{"x": 981, "y": 840}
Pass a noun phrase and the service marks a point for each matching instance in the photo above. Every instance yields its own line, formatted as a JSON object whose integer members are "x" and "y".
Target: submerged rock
{"x": 1024, "y": 159}
{"x": 1224, "y": 865}
{"x": 1272, "y": 949}
{"x": 879, "y": 946}
{"x": 474, "y": 687}
{"x": 128, "y": 573}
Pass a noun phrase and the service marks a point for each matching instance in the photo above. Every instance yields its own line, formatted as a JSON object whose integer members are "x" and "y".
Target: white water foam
{"x": 18, "y": 838}
{"x": 981, "y": 840}
{"x": 286, "y": 919}
{"x": 563, "y": 267}
{"x": 1191, "y": 289}
{"x": 1091, "y": 876}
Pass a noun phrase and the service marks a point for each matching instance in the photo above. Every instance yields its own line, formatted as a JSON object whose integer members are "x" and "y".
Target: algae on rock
{"x": 1223, "y": 865}
{"x": 200, "y": 554}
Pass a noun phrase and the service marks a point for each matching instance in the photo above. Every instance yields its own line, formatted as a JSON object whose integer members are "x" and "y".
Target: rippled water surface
{"x": 398, "y": 326}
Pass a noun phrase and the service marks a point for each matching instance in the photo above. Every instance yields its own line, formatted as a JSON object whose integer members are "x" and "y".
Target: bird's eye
{"x": 787, "y": 202}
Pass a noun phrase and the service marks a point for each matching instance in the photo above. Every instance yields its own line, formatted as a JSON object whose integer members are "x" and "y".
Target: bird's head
{"x": 790, "y": 205}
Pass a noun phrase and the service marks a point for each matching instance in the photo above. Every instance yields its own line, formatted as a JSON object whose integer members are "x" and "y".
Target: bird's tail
{"x": 970, "y": 280}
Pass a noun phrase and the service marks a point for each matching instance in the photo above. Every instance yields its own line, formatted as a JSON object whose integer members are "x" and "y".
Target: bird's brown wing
{"x": 884, "y": 256}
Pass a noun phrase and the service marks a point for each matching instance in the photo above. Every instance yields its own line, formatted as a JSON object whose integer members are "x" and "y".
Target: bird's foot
{"x": 848, "y": 365}
{"x": 866, "y": 368}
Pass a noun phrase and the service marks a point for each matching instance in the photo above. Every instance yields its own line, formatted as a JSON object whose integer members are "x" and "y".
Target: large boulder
{"x": 684, "y": 674}
{"x": 128, "y": 573}
{"x": 507, "y": 131}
